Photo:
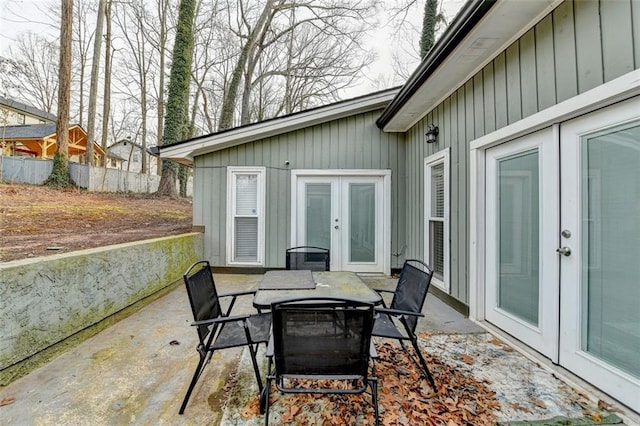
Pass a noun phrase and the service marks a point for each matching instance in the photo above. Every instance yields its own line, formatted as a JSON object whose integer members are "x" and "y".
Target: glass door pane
{"x": 610, "y": 212}
{"x": 362, "y": 222}
{"x": 318, "y": 214}
{"x": 518, "y": 236}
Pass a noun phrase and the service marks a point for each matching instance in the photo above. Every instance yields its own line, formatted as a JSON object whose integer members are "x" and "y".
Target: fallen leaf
{"x": 519, "y": 407}
{"x": 7, "y": 401}
{"x": 467, "y": 359}
{"x": 538, "y": 403}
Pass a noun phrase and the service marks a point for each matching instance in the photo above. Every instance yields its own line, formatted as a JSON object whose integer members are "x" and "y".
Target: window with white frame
{"x": 245, "y": 218}
{"x": 437, "y": 217}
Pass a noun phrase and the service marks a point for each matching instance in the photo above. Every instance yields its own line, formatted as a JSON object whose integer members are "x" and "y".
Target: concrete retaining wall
{"x": 45, "y": 300}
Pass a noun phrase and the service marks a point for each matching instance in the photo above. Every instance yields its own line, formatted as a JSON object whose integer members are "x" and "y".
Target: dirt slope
{"x": 37, "y": 221}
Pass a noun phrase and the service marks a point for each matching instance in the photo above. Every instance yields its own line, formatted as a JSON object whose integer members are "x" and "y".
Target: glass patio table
{"x": 277, "y": 286}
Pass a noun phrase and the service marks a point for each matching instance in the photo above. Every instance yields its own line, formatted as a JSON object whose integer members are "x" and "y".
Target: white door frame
{"x": 385, "y": 244}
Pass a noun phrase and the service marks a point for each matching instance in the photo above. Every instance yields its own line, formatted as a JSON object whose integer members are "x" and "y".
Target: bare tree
{"x": 83, "y": 36}
{"x": 60, "y": 174}
{"x": 161, "y": 46}
{"x": 275, "y": 27}
{"x": 30, "y": 71}
{"x": 133, "y": 22}
{"x": 106, "y": 105}
{"x": 93, "y": 90}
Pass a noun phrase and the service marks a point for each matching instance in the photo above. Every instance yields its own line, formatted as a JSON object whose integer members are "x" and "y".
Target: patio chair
{"x": 216, "y": 328}
{"x": 308, "y": 257}
{"x": 400, "y": 318}
{"x": 321, "y": 346}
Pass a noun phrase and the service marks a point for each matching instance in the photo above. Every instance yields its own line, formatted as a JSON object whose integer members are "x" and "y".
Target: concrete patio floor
{"x": 137, "y": 371}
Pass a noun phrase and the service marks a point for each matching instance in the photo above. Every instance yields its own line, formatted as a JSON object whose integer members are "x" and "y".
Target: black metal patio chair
{"x": 216, "y": 328}
{"x": 399, "y": 320}
{"x": 308, "y": 257}
{"x": 321, "y": 339}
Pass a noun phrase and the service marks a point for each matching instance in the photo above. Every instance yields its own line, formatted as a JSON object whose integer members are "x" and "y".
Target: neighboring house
{"x": 526, "y": 202}
{"x": 131, "y": 154}
{"x": 40, "y": 141}
{"x": 13, "y": 112}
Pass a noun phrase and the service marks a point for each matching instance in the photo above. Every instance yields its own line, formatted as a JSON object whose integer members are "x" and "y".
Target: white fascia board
{"x": 505, "y": 23}
{"x": 186, "y": 152}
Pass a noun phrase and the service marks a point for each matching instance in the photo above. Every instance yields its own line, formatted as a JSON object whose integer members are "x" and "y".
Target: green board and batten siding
{"x": 580, "y": 45}
{"x": 348, "y": 143}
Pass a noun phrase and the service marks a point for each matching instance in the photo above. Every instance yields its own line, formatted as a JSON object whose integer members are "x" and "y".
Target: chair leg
{"x": 266, "y": 392}
{"x": 256, "y": 369}
{"x": 194, "y": 380}
{"x": 374, "y": 399}
{"x": 414, "y": 342}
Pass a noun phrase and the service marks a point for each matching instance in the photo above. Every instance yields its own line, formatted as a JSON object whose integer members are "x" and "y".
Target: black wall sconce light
{"x": 432, "y": 133}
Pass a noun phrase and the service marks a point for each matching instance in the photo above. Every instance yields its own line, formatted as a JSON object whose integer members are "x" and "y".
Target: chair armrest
{"x": 383, "y": 290}
{"x": 221, "y": 320}
{"x": 398, "y": 312}
{"x": 237, "y": 293}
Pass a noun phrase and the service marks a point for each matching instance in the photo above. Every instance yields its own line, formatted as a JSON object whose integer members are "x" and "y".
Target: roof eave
{"x": 185, "y": 152}
{"x": 480, "y": 32}
{"x": 466, "y": 19}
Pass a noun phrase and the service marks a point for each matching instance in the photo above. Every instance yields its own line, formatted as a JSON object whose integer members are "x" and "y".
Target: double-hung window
{"x": 245, "y": 215}
{"x": 437, "y": 217}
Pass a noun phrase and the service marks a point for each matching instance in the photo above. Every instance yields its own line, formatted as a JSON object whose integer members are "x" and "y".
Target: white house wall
{"x": 580, "y": 45}
{"x": 348, "y": 143}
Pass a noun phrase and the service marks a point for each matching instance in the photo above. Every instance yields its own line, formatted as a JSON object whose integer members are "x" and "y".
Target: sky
{"x": 17, "y": 16}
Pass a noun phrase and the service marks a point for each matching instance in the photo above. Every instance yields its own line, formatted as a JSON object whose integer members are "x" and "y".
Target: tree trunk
{"x": 429, "y": 27}
{"x": 60, "y": 175}
{"x": 93, "y": 90}
{"x": 177, "y": 101}
{"x": 106, "y": 106}
{"x": 162, "y": 12}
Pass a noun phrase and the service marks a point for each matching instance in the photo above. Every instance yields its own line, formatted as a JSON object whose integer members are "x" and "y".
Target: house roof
{"x": 479, "y": 32}
{"x": 185, "y": 151}
{"x": 28, "y": 131}
{"x": 41, "y": 139}
{"x": 125, "y": 142}
{"x": 31, "y": 110}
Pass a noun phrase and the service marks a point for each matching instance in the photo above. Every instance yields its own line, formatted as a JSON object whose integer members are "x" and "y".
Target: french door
{"x": 600, "y": 236}
{"x": 347, "y": 213}
{"x": 521, "y": 221}
{"x": 562, "y": 274}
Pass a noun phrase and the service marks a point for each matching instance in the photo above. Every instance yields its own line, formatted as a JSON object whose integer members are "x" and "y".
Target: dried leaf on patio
{"x": 7, "y": 401}
{"x": 467, "y": 359}
{"x": 519, "y": 407}
{"x": 538, "y": 403}
{"x": 404, "y": 398}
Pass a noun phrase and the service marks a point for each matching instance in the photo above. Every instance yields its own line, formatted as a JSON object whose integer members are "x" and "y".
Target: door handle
{"x": 565, "y": 251}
